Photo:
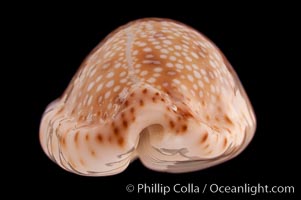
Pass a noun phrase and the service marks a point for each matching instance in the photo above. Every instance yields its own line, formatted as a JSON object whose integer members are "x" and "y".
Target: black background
{"x": 257, "y": 40}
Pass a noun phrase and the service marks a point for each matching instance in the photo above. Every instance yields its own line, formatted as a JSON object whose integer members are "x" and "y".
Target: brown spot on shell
{"x": 228, "y": 120}
{"x": 132, "y": 110}
{"x": 116, "y": 131}
{"x": 133, "y": 118}
{"x": 63, "y": 141}
{"x": 87, "y": 137}
{"x": 99, "y": 138}
{"x": 125, "y": 123}
{"x": 184, "y": 113}
{"x": 120, "y": 141}
{"x": 171, "y": 124}
{"x": 144, "y": 91}
{"x": 225, "y": 142}
{"x": 204, "y": 138}
{"x": 216, "y": 119}
{"x": 76, "y": 137}
{"x": 141, "y": 102}
{"x": 98, "y": 113}
{"x": 184, "y": 128}
{"x": 122, "y": 115}
{"x": 81, "y": 118}
{"x": 93, "y": 153}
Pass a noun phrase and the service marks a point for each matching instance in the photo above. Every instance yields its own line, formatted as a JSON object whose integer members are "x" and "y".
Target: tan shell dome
{"x": 154, "y": 89}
